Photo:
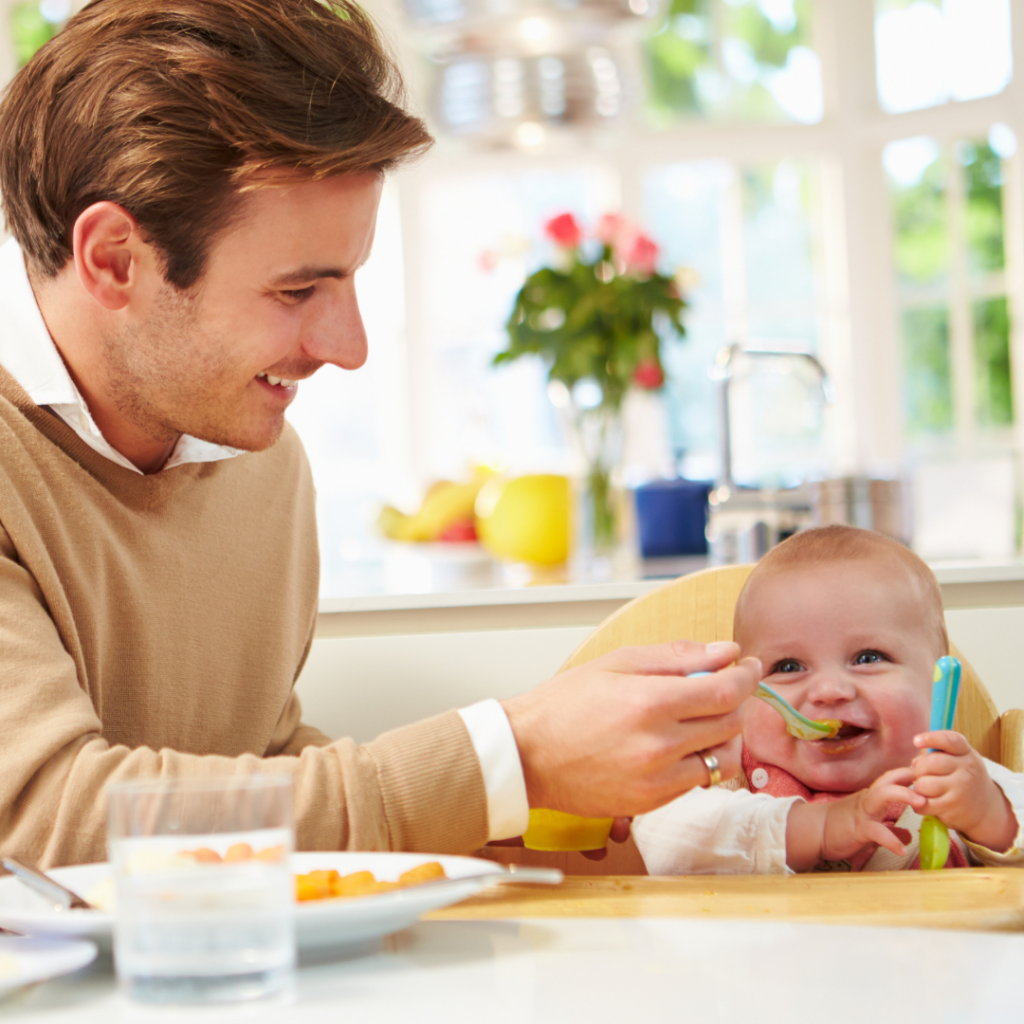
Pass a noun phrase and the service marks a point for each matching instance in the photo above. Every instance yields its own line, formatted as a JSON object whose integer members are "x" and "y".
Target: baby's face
{"x": 847, "y": 641}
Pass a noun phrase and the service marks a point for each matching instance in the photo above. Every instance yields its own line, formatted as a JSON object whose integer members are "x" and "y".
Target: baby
{"x": 848, "y": 625}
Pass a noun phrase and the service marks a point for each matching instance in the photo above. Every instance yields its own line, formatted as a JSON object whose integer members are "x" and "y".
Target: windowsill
{"x": 442, "y": 576}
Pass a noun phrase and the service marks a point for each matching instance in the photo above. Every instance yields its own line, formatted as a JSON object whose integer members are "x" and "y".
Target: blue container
{"x": 671, "y": 516}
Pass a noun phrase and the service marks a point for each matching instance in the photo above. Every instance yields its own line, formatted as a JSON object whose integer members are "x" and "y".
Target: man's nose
{"x": 830, "y": 688}
{"x": 338, "y": 335}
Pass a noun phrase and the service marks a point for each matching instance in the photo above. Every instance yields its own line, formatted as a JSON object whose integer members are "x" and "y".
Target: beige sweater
{"x": 155, "y": 625}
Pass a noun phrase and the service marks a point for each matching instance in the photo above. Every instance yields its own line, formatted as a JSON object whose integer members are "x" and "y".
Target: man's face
{"x": 848, "y": 641}
{"x": 277, "y": 300}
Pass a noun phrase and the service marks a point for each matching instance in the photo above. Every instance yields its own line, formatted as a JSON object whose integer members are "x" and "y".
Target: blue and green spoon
{"x": 945, "y": 691}
{"x": 797, "y": 725}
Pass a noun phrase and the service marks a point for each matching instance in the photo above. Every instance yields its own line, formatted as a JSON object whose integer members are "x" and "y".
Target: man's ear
{"x": 108, "y": 248}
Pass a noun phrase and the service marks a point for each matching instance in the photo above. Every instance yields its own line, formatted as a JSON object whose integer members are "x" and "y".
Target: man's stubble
{"x": 169, "y": 376}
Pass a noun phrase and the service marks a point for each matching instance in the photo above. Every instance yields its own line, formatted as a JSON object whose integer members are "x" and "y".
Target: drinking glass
{"x": 204, "y": 891}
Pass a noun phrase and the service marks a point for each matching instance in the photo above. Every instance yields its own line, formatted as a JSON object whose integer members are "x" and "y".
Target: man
{"x": 191, "y": 186}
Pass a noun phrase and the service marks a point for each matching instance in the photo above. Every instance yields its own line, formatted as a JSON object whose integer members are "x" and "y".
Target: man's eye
{"x": 298, "y": 294}
{"x": 869, "y": 658}
{"x": 787, "y": 665}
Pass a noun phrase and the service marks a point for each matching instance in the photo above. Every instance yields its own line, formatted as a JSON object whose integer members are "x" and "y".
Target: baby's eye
{"x": 869, "y": 658}
{"x": 787, "y": 665}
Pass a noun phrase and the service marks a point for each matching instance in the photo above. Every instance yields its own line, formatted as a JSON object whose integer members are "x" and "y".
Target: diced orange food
{"x": 319, "y": 885}
{"x": 239, "y": 851}
{"x": 422, "y": 873}
{"x": 206, "y": 856}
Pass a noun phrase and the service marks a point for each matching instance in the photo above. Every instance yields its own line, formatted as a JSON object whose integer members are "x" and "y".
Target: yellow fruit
{"x": 445, "y": 503}
{"x": 525, "y": 518}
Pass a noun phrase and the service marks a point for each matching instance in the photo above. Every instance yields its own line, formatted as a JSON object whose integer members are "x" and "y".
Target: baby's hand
{"x": 837, "y": 830}
{"x": 856, "y": 820}
{"x": 960, "y": 793}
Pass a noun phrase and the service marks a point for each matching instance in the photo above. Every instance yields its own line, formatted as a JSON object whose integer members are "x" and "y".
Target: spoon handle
{"x": 934, "y": 846}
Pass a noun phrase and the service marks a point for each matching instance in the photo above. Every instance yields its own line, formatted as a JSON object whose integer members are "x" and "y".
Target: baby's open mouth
{"x": 847, "y": 731}
{"x": 846, "y": 739}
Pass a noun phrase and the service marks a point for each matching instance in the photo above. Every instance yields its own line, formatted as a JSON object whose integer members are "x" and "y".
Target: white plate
{"x": 319, "y": 923}
{"x": 27, "y": 960}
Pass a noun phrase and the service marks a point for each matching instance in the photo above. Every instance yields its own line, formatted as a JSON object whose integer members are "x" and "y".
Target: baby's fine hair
{"x": 827, "y": 545}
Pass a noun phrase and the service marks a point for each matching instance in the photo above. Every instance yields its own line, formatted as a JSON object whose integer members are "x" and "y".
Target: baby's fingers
{"x": 935, "y": 764}
{"x": 878, "y": 799}
{"x": 878, "y": 833}
{"x": 944, "y": 739}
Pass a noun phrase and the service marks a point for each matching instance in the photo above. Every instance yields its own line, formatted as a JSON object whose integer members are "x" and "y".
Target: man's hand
{"x": 618, "y": 736}
{"x": 960, "y": 792}
{"x": 837, "y": 830}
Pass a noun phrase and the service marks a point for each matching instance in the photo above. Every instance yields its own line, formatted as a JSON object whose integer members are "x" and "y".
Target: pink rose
{"x": 611, "y": 229}
{"x": 642, "y": 255}
{"x": 649, "y": 375}
{"x": 564, "y": 231}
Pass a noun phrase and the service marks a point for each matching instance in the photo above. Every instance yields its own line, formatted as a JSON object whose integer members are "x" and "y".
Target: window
{"x": 839, "y": 175}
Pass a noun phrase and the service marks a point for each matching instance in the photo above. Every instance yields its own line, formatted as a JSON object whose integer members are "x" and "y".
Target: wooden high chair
{"x": 700, "y": 607}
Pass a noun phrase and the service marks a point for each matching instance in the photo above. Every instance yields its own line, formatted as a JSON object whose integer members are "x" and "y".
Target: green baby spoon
{"x": 798, "y": 726}
{"x": 945, "y": 690}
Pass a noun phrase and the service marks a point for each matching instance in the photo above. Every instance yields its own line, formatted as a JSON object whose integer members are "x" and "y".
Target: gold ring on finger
{"x": 714, "y": 769}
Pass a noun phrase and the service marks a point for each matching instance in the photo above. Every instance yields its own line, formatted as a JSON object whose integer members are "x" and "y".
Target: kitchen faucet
{"x": 722, "y": 372}
{"x": 743, "y": 523}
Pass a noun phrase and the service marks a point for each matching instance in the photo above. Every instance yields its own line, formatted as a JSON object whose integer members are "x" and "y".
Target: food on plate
{"x": 314, "y": 885}
{"x": 325, "y": 885}
{"x": 233, "y": 854}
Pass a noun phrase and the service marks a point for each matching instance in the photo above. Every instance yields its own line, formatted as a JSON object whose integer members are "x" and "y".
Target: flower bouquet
{"x": 598, "y": 318}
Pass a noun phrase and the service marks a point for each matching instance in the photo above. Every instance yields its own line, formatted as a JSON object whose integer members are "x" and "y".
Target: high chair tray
{"x": 990, "y": 899}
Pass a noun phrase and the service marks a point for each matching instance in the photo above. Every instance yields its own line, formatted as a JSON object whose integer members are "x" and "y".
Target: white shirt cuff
{"x": 508, "y": 812}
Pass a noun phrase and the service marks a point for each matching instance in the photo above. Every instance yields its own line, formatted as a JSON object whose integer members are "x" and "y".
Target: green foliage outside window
{"x": 993, "y": 391}
{"x": 29, "y": 31}
{"x": 921, "y": 248}
{"x": 983, "y": 174}
{"x": 921, "y": 243}
{"x": 927, "y": 392}
{"x": 687, "y": 75}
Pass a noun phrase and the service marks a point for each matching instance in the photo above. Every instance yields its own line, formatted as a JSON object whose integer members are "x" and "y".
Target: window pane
{"x": 917, "y": 183}
{"x": 354, "y": 426}
{"x": 683, "y": 210}
{"x": 747, "y": 237}
{"x": 928, "y": 52}
{"x": 927, "y": 393}
{"x": 749, "y": 59}
{"x": 983, "y": 178}
{"x": 994, "y": 396}
{"x": 778, "y": 248}
{"x": 470, "y": 411}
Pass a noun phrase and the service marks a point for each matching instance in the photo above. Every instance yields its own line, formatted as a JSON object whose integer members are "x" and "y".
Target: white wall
{"x": 362, "y": 686}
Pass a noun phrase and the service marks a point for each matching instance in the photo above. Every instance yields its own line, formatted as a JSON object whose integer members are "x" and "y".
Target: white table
{"x": 642, "y": 970}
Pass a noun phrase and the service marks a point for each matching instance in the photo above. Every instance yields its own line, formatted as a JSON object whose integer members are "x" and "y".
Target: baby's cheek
{"x": 765, "y": 736}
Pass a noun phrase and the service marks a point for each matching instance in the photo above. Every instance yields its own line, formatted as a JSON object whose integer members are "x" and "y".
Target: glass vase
{"x": 601, "y": 528}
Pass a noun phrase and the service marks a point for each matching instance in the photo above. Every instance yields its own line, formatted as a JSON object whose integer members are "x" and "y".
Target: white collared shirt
{"x": 29, "y": 355}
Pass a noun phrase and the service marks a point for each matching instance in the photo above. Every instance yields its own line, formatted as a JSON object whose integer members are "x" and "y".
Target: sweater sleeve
{"x": 1012, "y": 786}
{"x": 716, "y": 831}
{"x": 416, "y": 788}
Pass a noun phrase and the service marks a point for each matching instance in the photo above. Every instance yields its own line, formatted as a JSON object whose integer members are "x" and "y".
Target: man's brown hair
{"x": 827, "y": 545}
{"x": 175, "y": 108}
